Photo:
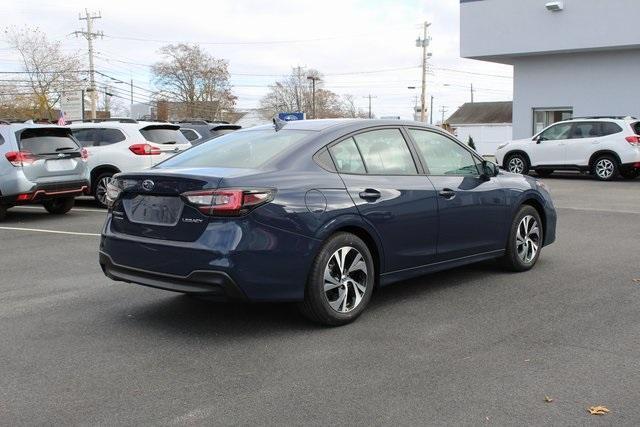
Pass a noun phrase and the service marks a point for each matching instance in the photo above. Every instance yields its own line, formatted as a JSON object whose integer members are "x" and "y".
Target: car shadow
{"x": 185, "y": 315}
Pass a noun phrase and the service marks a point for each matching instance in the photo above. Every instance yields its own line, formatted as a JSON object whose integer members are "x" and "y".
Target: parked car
{"x": 41, "y": 164}
{"x": 199, "y": 131}
{"x": 125, "y": 145}
{"x": 605, "y": 146}
{"x": 320, "y": 212}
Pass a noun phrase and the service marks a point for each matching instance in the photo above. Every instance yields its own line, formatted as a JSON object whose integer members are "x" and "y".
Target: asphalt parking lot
{"x": 466, "y": 347}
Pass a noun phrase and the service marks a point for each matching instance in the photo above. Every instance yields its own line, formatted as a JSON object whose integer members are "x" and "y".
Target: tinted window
{"x": 85, "y": 136}
{"x": 110, "y": 136}
{"x": 636, "y": 128}
{"x": 1, "y": 139}
{"x": 561, "y": 131}
{"x": 250, "y": 149}
{"x": 585, "y": 130}
{"x": 190, "y": 134}
{"x": 385, "y": 152}
{"x": 443, "y": 155}
{"x": 163, "y": 135}
{"x": 347, "y": 158}
{"x": 47, "y": 141}
{"x": 609, "y": 128}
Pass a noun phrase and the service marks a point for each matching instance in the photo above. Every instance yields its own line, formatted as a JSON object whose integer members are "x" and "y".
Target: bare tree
{"x": 194, "y": 79}
{"x": 295, "y": 93}
{"x": 49, "y": 71}
{"x": 350, "y": 108}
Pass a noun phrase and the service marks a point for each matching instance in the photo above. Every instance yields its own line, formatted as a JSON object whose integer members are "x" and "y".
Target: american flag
{"x": 61, "y": 120}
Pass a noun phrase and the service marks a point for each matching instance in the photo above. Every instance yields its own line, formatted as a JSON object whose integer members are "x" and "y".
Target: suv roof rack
{"x": 202, "y": 122}
{"x": 111, "y": 119}
{"x": 604, "y": 117}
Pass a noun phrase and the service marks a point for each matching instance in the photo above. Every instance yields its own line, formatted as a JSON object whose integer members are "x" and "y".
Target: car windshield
{"x": 163, "y": 135}
{"x": 47, "y": 140}
{"x": 248, "y": 149}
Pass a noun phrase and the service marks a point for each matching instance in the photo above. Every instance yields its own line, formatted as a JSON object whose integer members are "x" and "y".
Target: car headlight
{"x": 501, "y": 146}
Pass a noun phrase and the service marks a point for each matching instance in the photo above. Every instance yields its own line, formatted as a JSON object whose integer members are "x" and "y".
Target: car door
{"x": 549, "y": 147}
{"x": 471, "y": 207}
{"x": 585, "y": 136}
{"x": 381, "y": 176}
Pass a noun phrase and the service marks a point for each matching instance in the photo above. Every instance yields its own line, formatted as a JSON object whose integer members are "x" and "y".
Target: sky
{"x": 361, "y": 47}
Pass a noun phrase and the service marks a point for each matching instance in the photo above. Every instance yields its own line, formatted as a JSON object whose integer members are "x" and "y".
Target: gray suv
{"x": 40, "y": 164}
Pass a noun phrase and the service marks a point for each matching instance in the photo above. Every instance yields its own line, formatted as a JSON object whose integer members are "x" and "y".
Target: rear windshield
{"x": 636, "y": 127}
{"x": 249, "y": 149}
{"x": 163, "y": 135}
{"x": 46, "y": 141}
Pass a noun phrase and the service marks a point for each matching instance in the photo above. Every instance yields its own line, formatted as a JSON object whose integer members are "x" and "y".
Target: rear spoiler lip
{"x": 161, "y": 126}
{"x": 225, "y": 127}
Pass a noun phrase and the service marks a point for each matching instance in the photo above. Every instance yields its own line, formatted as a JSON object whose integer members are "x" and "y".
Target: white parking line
{"x": 598, "y": 210}
{"x": 103, "y": 211}
{"x": 40, "y": 230}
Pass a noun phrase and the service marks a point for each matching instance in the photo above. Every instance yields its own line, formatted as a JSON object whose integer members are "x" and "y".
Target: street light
{"x": 313, "y": 93}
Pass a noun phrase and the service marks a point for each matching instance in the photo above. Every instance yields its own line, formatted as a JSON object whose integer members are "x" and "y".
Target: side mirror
{"x": 539, "y": 139}
{"x": 489, "y": 169}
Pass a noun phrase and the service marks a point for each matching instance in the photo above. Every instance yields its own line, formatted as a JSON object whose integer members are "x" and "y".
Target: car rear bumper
{"x": 261, "y": 262}
{"x": 40, "y": 192}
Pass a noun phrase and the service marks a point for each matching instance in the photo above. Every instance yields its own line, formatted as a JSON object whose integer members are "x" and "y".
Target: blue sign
{"x": 290, "y": 117}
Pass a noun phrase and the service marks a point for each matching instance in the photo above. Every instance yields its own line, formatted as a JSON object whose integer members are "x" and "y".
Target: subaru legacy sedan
{"x": 320, "y": 212}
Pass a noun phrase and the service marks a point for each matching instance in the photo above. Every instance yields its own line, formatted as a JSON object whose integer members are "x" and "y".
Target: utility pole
{"x": 423, "y": 43}
{"x": 431, "y": 112}
{"x": 131, "y": 108}
{"x": 472, "y": 93}
{"x": 370, "y": 97}
{"x": 90, "y": 35}
{"x": 313, "y": 79}
{"x": 443, "y": 110}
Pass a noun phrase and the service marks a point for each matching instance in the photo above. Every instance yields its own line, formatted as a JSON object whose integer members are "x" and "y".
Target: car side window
{"x": 609, "y": 128}
{"x": 190, "y": 134}
{"x": 442, "y": 155}
{"x": 1, "y": 139}
{"x": 385, "y": 152}
{"x": 109, "y": 136}
{"x": 557, "y": 132}
{"x": 347, "y": 157}
{"x": 85, "y": 136}
{"x": 586, "y": 130}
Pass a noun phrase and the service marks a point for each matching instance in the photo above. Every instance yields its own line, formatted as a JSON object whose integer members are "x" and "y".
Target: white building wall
{"x": 486, "y": 137}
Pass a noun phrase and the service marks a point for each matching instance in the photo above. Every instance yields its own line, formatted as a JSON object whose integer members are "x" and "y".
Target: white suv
{"x": 604, "y": 146}
{"x": 125, "y": 145}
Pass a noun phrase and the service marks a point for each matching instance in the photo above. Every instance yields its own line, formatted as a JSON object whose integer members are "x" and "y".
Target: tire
{"x": 605, "y": 167}
{"x": 544, "y": 173}
{"x": 333, "y": 298}
{"x": 3, "y": 212}
{"x": 59, "y": 206}
{"x": 629, "y": 173}
{"x": 525, "y": 240}
{"x": 517, "y": 163}
{"x": 99, "y": 188}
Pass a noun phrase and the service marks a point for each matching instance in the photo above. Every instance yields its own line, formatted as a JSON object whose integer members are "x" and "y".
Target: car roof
{"x": 120, "y": 125}
{"x": 19, "y": 126}
{"x": 321, "y": 125}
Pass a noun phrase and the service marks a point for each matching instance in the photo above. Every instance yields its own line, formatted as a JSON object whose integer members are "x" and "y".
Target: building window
{"x": 543, "y": 117}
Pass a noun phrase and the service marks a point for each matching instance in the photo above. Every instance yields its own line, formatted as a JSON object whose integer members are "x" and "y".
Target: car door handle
{"x": 447, "y": 193}
{"x": 369, "y": 194}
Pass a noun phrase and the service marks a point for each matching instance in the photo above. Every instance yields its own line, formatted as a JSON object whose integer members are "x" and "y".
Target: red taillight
{"x": 19, "y": 158}
{"x": 84, "y": 154}
{"x": 144, "y": 149}
{"x": 23, "y": 197}
{"x": 228, "y": 201}
{"x": 633, "y": 140}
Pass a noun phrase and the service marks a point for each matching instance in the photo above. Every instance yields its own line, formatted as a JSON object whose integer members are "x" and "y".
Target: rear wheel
{"x": 517, "y": 163}
{"x": 525, "y": 240}
{"x": 100, "y": 188}
{"x": 59, "y": 206}
{"x": 605, "y": 168}
{"x": 544, "y": 173}
{"x": 341, "y": 281}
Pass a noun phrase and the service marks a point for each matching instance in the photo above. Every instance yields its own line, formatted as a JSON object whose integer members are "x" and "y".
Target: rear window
{"x": 46, "y": 141}
{"x": 609, "y": 128}
{"x": 163, "y": 135}
{"x": 636, "y": 127}
{"x": 250, "y": 149}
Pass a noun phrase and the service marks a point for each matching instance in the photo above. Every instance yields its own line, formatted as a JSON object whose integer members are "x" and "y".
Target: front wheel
{"x": 517, "y": 163}
{"x": 341, "y": 281}
{"x": 525, "y": 240}
{"x": 59, "y": 206}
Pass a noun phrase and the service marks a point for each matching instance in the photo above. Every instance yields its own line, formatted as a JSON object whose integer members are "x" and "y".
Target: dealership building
{"x": 571, "y": 58}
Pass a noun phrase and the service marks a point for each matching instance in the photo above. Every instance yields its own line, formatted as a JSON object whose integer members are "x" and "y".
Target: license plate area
{"x": 153, "y": 210}
{"x": 59, "y": 165}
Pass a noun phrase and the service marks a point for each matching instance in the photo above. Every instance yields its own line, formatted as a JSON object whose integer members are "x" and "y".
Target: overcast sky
{"x": 349, "y": 41}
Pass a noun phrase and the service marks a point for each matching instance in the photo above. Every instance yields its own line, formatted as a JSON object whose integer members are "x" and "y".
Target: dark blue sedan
{"x": 320, "y": 212}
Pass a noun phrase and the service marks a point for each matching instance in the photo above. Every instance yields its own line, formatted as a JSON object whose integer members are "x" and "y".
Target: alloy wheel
{"x": 528, "y": 239}
{"x": 345, "y": 279}
{"x": 516, "y": 165}
{"x": 604, "y": 168}
{"x": 101, "y": 190}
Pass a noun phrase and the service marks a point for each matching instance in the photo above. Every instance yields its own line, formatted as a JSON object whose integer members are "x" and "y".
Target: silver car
{"x": 40, "y": 164}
